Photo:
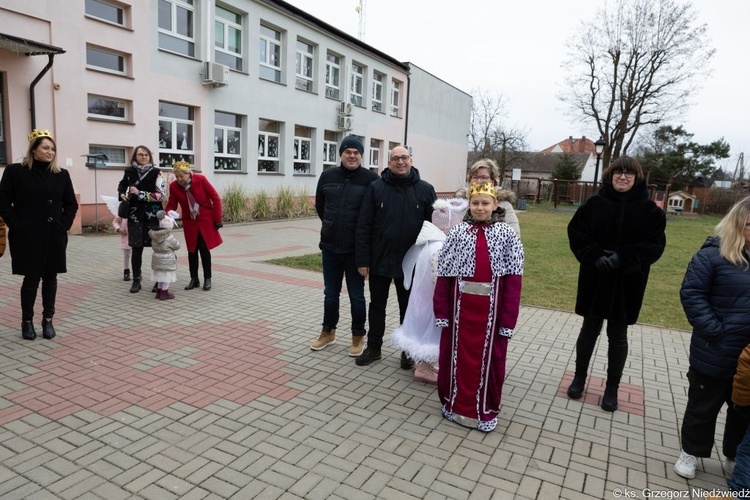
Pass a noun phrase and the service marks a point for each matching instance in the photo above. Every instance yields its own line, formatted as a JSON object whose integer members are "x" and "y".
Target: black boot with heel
{"x": 194, "y": 283}
{"x": 27, "y": 330}
{"x": 48, "y": 331}
{"x": 136, "y": 286}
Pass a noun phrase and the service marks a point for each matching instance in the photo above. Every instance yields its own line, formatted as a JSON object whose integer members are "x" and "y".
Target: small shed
{"x": 681, "y": 202}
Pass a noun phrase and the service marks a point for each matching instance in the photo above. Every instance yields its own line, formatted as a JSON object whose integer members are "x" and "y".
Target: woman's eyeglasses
{"x": 623, "y": 173}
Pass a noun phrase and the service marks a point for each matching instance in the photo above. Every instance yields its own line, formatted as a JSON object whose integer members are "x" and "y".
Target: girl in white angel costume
{"x": 418, "y": 336}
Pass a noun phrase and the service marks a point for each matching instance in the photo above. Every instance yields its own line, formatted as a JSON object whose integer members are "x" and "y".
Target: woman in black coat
{"x": 715, "y": 295}
{"x": 38, "y": 204}
{"x": 143, "y": 186}
{"x": 616, "y": 236}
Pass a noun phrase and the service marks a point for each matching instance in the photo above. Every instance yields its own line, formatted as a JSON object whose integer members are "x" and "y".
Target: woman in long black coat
{"x": 38, "y": 204}
{"x": 143, "y": 186}
{"x": 616, "y": 236}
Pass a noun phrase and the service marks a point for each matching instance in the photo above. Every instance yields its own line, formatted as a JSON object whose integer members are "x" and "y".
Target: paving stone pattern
{"x": 218, "y": 395}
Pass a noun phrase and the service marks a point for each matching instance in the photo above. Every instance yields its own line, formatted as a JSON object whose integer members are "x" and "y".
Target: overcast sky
{"x": 516, "y": 48}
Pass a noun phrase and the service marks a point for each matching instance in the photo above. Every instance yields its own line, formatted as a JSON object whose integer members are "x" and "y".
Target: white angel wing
{"x": 112, "y": 203}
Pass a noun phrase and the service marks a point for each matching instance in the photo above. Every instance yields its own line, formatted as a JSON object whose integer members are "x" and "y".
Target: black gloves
{"x": 602, "y": 264}
{"x": 608, "y": 263}
{"x": 218, "y": 225}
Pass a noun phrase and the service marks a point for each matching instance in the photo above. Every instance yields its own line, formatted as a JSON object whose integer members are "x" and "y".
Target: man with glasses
{"x": 393, "y": 210}
{"x": 338, "y": 198}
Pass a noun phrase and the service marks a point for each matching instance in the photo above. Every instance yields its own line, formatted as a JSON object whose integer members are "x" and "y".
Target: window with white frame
{"x": 269, "y": 145}
{"x": 177, "y": 26}
{"x": 356, "y": 88}
{"x": 395, "y": 97}
{"x": 270, "y": 54}
{"x": 105, "y": 11}
{"x": 176, "y": 128}
{"x": 330, "y": 149}
{"x": 228, "y": 38}
{"x": 302, "y": 149}
{"x": 116, "y": 155}
{"x": 333, "y": 76}
{"x": 107, "y": 108}
{"x": 227, "y": 141}
{"x": 304, "y": 66}
{"x": 377, "y": 91}
{"x": 375, "y": 146}
{"x": 106, "y": 60}
{"x": 392, "y": 145}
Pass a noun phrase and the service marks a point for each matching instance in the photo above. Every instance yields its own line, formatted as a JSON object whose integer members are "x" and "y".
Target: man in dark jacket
{"x": 393, "y": 210}
{"x": 338, "y": 198}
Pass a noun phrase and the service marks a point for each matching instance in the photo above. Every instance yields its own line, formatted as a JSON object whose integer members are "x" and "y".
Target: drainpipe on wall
{"x": 33, "y": 85}
{"x": 406, "y": 114}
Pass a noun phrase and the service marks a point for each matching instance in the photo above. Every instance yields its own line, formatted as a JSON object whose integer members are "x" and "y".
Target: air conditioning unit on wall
{"x": 344, "y": 123}
{"x": 215, "y": 74}
{"x": 345, "y": 108}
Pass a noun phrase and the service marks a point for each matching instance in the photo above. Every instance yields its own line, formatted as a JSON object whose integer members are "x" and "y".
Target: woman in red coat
{"x": 201, "y": 216}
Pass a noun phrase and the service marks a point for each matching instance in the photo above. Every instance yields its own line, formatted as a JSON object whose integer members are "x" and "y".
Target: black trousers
{"x": 136, "y": 261}
{"x": 706, "y": 396}
{"x": 29, "y": 289}
{"x": 205, "y": 259}
{"x": 617, "y": 352}
{"x": 379, "y": 288}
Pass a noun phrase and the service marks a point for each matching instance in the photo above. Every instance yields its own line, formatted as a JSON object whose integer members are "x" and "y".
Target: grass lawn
{"x": 551, "y": 271}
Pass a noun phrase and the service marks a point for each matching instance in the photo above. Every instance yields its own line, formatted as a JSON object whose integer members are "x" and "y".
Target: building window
{"x": 105, "y": 11}
{"x": 392, "y": 145}
{"x": 333, "y": 76}
{"x": 304, "y": 66}
{"x": 228, "y": 38}
{"x": 395, "y": 97}
{"x": 377, "y": 91}
{"x": 270, "y": 54}
{"x": 269, "y": 141}
{"x": 228, "y": 141}
{"x": 107, "y": 108}
{"x": 177, "y": 26}
{"x": 357, "y": 85}
{"x": 106, "y": 60}
{"x": 302, "y": 149}
{"x": 330, "y": 149}
{"x": 176, "y": 126}
{"x": 375, "y": 146}
{"x": 116, "y": 156}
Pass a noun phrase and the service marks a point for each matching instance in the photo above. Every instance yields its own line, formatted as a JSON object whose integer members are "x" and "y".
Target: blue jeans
{"x": 335, "y": 268}
{"x": 740, "y": 479}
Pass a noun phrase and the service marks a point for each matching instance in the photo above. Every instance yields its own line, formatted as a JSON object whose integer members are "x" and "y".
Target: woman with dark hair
{"x": 616, "y": 236}
{"x": 38, "y": 204}
{"x": 715, "y": 298}
{"x": 143, "y": 186}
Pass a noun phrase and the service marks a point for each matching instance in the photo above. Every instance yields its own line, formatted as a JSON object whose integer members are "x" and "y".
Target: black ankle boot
{"x": 609, "y": 400}
{"x": 126, "y": 275}
{"x": 48, "y": 331}
{"x": 194, "y": 283}
{"x": 207, "y": 284}
{"x": 27, "y": 330}
{"x": 155, "y": 288}
{"x": 575, "y": 391}
{"x": 136, "y": 286}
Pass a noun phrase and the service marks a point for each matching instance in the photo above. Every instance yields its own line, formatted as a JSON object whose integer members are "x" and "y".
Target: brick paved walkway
{"x": 217, "y": 395}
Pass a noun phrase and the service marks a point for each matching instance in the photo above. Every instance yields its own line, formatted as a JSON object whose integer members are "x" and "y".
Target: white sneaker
{"x": 685, "y": 465}
{"x": 728, "y": 466}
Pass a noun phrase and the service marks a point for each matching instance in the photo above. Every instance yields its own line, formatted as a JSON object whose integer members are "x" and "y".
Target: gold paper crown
{"x": 36, "y": 133}
{"x": 180, "y": 165}
{"x": 483, "y": 188}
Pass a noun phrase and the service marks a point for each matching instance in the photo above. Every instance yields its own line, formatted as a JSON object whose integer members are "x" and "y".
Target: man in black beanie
{"x": 338, "y": 198}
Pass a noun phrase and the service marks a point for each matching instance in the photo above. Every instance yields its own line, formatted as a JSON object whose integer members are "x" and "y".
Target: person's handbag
{"x": 122, "y": 209}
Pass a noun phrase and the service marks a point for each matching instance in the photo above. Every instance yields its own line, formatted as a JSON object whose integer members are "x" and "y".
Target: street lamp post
{"x": 599, "y": 148}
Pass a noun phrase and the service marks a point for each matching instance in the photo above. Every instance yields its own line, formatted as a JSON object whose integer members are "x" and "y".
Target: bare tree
{"x": 489, "y": 137}
{"x": 636, "y": 63}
